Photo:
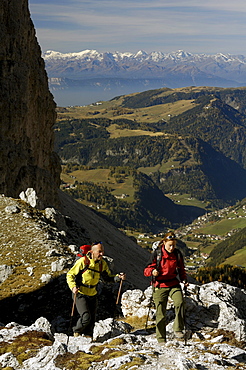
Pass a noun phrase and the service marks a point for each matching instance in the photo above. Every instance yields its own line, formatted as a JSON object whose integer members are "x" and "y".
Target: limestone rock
{"x": 138, "y": 303}
{"x": 228, "y": 306}
{"x": 12, "y": 209}
{"x": 45, "y": 357}
{"x": 109, "y": 328}
{"x": 5, "y": 271}
{"x": 30, "y": 197}
{"x": 73, "y": 248}
{"x": 42, "y": 324}
{"x": 58, "y": 265}
{"x": 213, "y": 305}
{"x": 128, "y": 350}
{"x": 8, "y": 360}
{"x": 56, "y": 218}
{"x": 45, "y": 278}
{"x": 27, "y": 110}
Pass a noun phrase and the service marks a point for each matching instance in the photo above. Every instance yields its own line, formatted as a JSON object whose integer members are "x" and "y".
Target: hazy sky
{"x": 196, "y": 26}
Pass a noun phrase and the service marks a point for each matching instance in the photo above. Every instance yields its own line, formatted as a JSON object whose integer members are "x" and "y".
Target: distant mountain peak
{"x": 176, "y": 69}
{"x": 141, "y": 55}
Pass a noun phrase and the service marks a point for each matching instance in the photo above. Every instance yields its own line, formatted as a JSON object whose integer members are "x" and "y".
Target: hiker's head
{"x": 97, "y": 251}
{"x": 169, "y": 241}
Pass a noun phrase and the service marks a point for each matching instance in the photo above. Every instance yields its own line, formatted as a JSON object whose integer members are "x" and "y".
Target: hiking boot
{"x": 179, "y": 334}
{"x": 76, "y": 334}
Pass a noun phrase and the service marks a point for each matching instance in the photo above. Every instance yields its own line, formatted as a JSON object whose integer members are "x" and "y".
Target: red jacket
{"x": 171, "y": 267}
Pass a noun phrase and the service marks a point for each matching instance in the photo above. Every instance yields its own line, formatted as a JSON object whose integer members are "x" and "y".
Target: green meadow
{"x": 222, "y": 227}
{"x": 102, "y": 176}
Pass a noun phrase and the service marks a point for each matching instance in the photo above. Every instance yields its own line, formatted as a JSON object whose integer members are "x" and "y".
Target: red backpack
{"x": 84, "y": 249}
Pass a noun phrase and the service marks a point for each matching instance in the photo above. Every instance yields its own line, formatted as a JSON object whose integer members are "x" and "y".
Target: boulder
{"x": 42, "y": 324}
{"x": 109, "y": 328}
{"x": 212, "y": 305}
{"x": 12, "y": 209}
{"x": 46, "y": 278}
{"x": 29, "y": 196}
{"x": 8, "y": 360}
{"x": 5, "y": 272}
{"x": 45, "y": 358}
{"x": 59, "y": 265}
{"x": 227, "y": 305}
{"x": 55, "y": 217}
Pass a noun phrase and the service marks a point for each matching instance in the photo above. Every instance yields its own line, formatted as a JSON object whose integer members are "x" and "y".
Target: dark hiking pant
{"x": 86, "y": 307}
{"x": 160, "y": 296}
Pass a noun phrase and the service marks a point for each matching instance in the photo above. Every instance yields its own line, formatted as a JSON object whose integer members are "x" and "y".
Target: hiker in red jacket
{"x": 167, "y": 270}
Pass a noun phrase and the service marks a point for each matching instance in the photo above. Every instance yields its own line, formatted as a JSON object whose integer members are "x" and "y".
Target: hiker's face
{"x": 170, "y": 245}
{"x": 97, "y": 251}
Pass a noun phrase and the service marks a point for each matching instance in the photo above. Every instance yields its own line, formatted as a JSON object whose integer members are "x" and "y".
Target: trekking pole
{"x": 119, "y": 291}
{"x": 185, "y": 324}
{"x": 146, "y": 323}
{"x": 115, "y": 309}
{"x": 71, "y": 317}
{"x": 153, "y": 288}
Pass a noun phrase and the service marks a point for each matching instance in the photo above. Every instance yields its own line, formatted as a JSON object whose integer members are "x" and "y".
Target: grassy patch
{"x": 82, "y": 361}
{"x": 239, "y": 258}
{"x": 186, "y": 200}
{"x": 229, "y": 338}
{"x": 134, "y": 364}
{"x": 116, "y": 132}
{"x": 222, "y": 227}
{"x": 23, "y": 246}
{"x": 136, "y": 322}
{"x": 112, "y": 110}
{"x": 26, "y": 345}
{"x": 101, "y": 176}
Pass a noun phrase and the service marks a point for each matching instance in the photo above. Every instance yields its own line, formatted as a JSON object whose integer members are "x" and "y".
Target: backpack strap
{"x": 159, "y": 256}
{"x": 79, "y": 279}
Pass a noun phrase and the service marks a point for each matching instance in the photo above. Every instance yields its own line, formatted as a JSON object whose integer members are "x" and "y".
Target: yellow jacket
{"x": 90, "y": 278}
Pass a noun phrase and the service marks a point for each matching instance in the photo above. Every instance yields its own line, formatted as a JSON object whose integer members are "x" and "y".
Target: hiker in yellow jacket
{"x": 82, "y": 279}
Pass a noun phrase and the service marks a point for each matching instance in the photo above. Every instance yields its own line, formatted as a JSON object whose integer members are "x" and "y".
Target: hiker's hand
{"x": 186, "y": 284}
{"x": 122, "y": 276}
{"x": 155, "y": 272}
{"x": 75, "y": 290}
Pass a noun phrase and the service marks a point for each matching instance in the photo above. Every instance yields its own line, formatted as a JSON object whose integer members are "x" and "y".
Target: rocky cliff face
{"x": 27, "y": 109}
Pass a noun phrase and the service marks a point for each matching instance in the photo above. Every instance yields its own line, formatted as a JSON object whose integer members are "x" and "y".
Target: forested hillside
{"x": 150, "y": 209}
{"x": 228, "y": 248}
{"x": 176, "y": 164}
{"x": 187, "y": 141}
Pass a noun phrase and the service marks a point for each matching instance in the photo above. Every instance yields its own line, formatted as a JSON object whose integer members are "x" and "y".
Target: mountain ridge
{"x": 91, "y": 63}
{"x": 89, "y": 76}
{"x": 141, "y": 55}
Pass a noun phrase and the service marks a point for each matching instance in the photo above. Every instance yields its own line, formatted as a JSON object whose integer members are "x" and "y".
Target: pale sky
{"x": 196, "y": 26}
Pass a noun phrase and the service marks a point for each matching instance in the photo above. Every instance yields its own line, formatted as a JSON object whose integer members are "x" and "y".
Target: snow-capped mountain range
{"x": 142, "y": 71}
{"x": 91, "y": 64}
{"x": 141, "y": 56}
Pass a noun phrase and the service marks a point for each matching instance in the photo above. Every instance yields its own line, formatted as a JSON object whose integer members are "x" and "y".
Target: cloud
{"x": 143, "y": 23}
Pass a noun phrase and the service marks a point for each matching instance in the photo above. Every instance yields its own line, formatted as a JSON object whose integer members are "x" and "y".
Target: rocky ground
{"x": 37, "y": 248}
{"x": 215, "y": 329}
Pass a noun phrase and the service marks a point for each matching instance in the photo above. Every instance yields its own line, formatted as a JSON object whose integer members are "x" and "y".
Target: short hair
{"x": 95, "y": 243}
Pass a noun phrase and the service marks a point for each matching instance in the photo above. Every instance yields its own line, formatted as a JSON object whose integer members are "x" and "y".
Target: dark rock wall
{"x": 27, "y": 109}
